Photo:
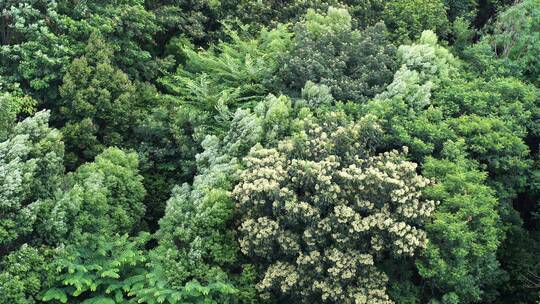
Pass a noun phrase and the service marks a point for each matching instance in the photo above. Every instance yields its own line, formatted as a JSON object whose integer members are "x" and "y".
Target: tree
{"x": 379, "y": 174}
{"x": 499, "y": 150}
{"x": 196, "y": 244}
{"x": 515, "y": 38}
{"x": 91, "y": 220}
{"x": 197, "y": 248}
{"x": 24, "y": 274}
{"x": 30, "y": 173}
{"x": 320, "y": 214}
{"x": 419, "y": 110}
{"x": 31, "y": 166}
{"x": 13, "y": 104}
{"x": 256, "y": 14}
{"x": 406, "y": 20}
{"x": 259, "y": 14}
{"x": 103, "y": 198}
{"x": 510, "y": 45}
{"x": 197, "y": 20}
{"x": 130, "y": 29}
{"x": 100, "y": 104}
{"x": 460, "y": 262}
{"x": 509, "y": 99}
{"x": 404, "y": 107}
{"x": 208, "y": 86}
{"x": 100, "y": 269}
{"x": 167, "y": 141}
{"x": 326, "y": 50}
{"x": 461, "y": 9}
{"x": 40, "y": 39}
{"x": 33, "y": 54}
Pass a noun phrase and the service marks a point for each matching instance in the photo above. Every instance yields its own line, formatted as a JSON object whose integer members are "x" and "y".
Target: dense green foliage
{"x": 326, "y": 49}
{"x": 190, "y": 151}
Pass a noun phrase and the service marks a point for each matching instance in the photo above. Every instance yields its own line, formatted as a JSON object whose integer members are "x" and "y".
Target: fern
{"x": 55, "y": 294}
{"x": 153, "y": 289}
{"x": 99, "y": 270}
{"x": 227, "y": 76}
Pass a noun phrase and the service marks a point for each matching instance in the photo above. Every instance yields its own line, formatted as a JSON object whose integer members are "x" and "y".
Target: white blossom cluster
{"x": 320, "y": 215}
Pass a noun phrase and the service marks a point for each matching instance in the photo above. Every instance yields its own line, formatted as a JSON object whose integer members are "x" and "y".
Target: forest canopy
{"x": 242, "y": 151}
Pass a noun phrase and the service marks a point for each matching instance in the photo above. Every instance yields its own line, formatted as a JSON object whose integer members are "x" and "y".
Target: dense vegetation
{"x": 242, "y": 151}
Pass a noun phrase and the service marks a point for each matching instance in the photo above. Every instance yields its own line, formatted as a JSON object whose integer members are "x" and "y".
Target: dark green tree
{"x": 355, "y": 65}
{"x": 407, "y": 19}
{"x": 100, "y": 104}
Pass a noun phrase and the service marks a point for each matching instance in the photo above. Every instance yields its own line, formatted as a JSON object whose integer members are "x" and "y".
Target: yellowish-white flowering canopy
{"x": 319, "y": 215}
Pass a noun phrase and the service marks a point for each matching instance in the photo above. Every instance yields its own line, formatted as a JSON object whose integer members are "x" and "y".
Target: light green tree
{"x": 31, "y": 164}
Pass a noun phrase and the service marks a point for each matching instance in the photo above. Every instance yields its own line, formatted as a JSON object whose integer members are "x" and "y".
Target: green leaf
{"x": 110, "y": 274}
{"x": 55, "y": 294}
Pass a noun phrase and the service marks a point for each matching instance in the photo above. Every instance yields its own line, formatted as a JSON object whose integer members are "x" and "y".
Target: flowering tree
{"x": 320, "y": 213}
